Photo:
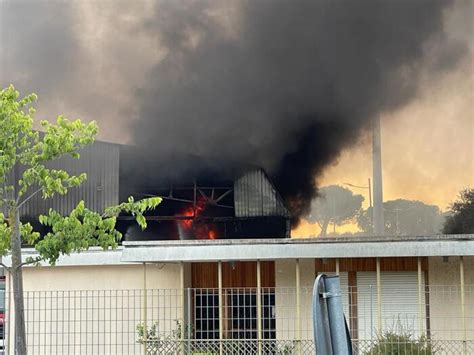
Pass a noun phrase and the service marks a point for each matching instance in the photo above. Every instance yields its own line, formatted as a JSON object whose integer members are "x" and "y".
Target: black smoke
{"x": 289, "y": 86}
{"x": 216, "y": 86}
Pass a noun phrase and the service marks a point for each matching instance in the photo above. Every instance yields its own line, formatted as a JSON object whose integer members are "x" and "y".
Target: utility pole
{"x": 370, "y": 193}
{"x": 378, "y": 220}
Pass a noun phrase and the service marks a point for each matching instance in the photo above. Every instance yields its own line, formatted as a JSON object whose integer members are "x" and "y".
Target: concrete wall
{"x": 96, "y": 309}
{"x": 99, "y": 307}
{"x": 285, "y": 299}
{"x": 103, "y": 277}
{"x": 445, "y": 298}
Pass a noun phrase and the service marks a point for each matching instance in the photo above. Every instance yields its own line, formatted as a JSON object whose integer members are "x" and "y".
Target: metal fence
{"x": 240, "y": 321}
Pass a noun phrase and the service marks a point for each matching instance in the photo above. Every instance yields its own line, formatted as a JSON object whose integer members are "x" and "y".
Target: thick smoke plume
{"x": 285, "y": 85}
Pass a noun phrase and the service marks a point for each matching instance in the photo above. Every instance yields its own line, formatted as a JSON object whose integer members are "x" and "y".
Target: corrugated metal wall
{"x": 255, "y": 196}
{"x": 100, "y": 161}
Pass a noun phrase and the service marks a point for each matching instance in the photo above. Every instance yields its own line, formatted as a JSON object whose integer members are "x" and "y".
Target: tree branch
{"x": 5, "y": 267}
{"x": 29, "y": 197}
{"x": 31, "y": 261}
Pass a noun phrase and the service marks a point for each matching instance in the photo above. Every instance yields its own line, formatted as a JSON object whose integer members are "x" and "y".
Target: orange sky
{"x": 427, "y": 147}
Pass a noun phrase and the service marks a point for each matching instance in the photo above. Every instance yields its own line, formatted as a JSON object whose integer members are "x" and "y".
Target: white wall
{"x": 106, "y": 322}
{"x": 285, "y": 298}
{"x": 82, "y": 309}
{"x": 103, "y": 277}
{"x": 445, "y": 298}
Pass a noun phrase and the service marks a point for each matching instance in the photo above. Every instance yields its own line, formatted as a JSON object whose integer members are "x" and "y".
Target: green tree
{"x": 461, "y": 217}
{"x": 336, "y": 205}
{"x": 405, "y": 217}
{"x": 22, "y": 146}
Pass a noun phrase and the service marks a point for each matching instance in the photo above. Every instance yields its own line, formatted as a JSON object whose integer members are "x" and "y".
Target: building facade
{"x": 252, "y": 296}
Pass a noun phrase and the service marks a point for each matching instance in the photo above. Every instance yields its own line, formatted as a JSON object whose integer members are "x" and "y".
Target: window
{"x": 399, "y": 303}
{"x": 239, "y": 314}
{"x": 206, "y": 314}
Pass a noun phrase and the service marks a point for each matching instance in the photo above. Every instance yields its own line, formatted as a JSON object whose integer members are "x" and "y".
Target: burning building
{"x": 203, "y": 202}
{"x": 248, "y": 207}
{"x": 211, "y": 206}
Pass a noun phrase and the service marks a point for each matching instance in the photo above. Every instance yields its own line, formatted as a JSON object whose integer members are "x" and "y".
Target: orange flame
{"x": 212, "y": 235}
{"x": 200, "y": 231}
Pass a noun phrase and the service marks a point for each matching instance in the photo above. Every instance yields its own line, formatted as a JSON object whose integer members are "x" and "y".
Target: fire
{"x": 212, "y": 234}
{"x": 187, "y": 223}
{"x": 191, "y": 226}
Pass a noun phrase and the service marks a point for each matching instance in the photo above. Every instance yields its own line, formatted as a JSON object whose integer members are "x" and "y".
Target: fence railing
{"x": 229, "y": 321}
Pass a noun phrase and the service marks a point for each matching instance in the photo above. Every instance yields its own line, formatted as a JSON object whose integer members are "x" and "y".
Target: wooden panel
{"x": 369, "y": 264}
{"x": 402, "y": 264}
{"x": 204, "y": 275}
{"x": 236, "y": 274}
{"x": 244, "y": 274}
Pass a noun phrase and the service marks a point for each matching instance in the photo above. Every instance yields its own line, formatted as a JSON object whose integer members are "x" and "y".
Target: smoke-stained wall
{"x": 281, "y": 84}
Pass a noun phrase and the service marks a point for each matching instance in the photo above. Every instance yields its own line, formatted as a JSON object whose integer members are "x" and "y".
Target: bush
{"x": 391, "y": 343}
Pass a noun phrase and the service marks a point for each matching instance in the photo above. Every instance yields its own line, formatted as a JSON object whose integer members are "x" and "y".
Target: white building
{"x": 200, "y": 292}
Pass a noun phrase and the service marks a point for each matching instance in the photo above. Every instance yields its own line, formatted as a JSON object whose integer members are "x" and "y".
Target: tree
{"x": 404, "y": 217}
{"x": 461, "y": 218}
{"x": 336, "y": 205}
{"x": 22, "y": 146}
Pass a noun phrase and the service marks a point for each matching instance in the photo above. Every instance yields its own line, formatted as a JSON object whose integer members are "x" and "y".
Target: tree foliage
{"x": 25, "y": 155}
{"x": 21, "y": 145}
{"x": 336, "y": 205}
{"x": 461, "y": 217}
{"x": 404, "y": 217}
{"x": 24, "y": 172}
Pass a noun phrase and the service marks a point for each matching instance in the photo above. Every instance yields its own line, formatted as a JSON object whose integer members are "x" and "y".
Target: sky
{"x": 427, "y": 146}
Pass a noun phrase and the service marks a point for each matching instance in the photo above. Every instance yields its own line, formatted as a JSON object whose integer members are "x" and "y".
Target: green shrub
{"x": 287, "y": 349}
{"x": 147, "y": 334}
{"x": 391, "y": 343}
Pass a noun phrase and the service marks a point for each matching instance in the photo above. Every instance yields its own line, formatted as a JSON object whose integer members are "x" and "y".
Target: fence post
{"x": 379, "y": 299}
{"x": 9, "y": 318}
{"x": 144, "y": 311}
{"x": 259, "y": 308}
{"x": 298, "y": 307}
{"x": 189, "y": 321}
{"x": 371, "y": 312}
{"x": 181, "y": 293}
{"x": 420, "y": 297}
{"x": 463, "y": 305}
{"x": 221, "y": 308}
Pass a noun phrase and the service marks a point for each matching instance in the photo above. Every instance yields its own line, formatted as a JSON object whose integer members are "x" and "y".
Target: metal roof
{"x": 255, "y": 196}
{"x": 268, "y": 249}
{"x": 274, "y": 249}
